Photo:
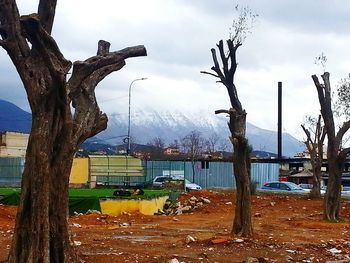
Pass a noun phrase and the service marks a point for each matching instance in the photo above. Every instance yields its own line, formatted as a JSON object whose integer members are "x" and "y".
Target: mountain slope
{"x": 146, "y": 125}
{"x": 170, "y": 126}
{"x": 13, "y": 118}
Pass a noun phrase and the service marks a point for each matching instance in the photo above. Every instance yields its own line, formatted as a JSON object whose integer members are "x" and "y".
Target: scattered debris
{"x": 257, "y": 215}
{"x": 334, "y": 251}
{"x": 190, "y": 239}
{"x": 252, "y": 260}
{"x": 76, "y": 225}
{"x": 77, "y": 243}
{"x": 179, "y": 208}
{"x": 125, "y": 225}
{"x": 92, "y": 211}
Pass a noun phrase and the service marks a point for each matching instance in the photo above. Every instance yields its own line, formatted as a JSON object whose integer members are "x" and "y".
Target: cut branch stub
{"x": 103, "y": 48}
{"x": 45, "y": 45}
{"x": 46, "y": 12}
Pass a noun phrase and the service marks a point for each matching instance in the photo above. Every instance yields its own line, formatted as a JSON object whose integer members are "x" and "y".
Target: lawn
{"x": 99, "y": 193}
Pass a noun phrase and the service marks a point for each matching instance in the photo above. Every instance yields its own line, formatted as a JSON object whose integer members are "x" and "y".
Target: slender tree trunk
{"x": 316, "y": 179}
{"x": 242, "y": 224}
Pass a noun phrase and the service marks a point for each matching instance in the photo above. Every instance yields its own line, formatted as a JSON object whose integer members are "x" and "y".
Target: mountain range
{"x": 170, "y": 126}
{"x": 13, "y": 118}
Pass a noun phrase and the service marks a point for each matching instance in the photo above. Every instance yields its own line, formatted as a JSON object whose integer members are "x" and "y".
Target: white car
{"x": 158, "y": 181}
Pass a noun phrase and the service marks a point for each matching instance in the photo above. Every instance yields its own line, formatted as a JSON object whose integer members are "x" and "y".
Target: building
{"x": 171, "y": 151}
{"x": 13, "y": 144}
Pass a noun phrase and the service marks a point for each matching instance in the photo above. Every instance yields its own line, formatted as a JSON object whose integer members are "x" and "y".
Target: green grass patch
{"x": 8, "y": 191}
{"x": 99, "y": 193}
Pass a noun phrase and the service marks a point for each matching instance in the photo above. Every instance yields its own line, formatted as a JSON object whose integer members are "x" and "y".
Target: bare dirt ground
{"x": 287, "y": 229}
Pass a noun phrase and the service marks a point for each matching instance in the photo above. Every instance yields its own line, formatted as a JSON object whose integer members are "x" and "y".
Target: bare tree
{"x": 336, "y": 155}
{"x": 241, "y": 26}
{"x": 212, "y": 142}
{"x": 41, "y": 232}
{"x": 193, "y": 145}
{"x": 315, "y": 135}
{"x": 158, "y": 144}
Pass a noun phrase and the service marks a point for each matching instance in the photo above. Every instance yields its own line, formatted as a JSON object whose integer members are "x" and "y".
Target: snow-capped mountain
{"x": 170, "y": 126}
{"x": 149, "y": 124}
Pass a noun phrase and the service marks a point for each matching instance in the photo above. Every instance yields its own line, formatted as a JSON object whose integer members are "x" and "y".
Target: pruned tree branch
{"x": 82, "y": 69}
{"x": 343, "y": 129}
{"x": 45, "y": 45}
{"x": 324, "y": 95}
{"x": 103, "y": 48}
{"x": 205, "y": 72}
{"x": 222, "y": 111}
{"x": 85, "y": 77}
{"x": 344, "y": 153}
{"x": 16, "y": 44}
{"x": 46, "y": 12}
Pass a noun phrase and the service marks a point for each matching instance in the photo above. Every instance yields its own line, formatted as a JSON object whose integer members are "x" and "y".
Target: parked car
{"x": 159, "y": 181}
{"x": 283, "y": 186}
{"x": 306, "y": 186}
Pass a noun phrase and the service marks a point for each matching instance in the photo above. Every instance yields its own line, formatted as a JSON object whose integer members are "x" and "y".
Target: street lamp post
{"x": 129, "y": 120}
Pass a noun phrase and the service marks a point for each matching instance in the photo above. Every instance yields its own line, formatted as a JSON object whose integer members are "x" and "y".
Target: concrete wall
{"x": 80, "y": 171}
{"x": 13, "y": 144}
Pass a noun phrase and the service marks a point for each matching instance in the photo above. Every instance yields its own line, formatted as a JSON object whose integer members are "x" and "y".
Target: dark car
{"x": 283, "y": 186}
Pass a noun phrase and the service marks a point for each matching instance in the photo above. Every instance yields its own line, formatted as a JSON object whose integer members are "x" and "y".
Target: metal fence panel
{"x": 207, "y": 174}
{"x": 11, "y": 169}
{"x": 210, "y": 174}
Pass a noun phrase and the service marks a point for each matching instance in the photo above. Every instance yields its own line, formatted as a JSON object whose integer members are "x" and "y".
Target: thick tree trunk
{"x": 333, "y": 192}
{"x": 41, "y": 228}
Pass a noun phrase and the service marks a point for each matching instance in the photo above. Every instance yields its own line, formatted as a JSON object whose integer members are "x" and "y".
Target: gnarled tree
{"x": 315, "y": 135}
{"x": 41, "y": 230}
{"x": 336, "y": 155}
{"x": 242, "y": 224}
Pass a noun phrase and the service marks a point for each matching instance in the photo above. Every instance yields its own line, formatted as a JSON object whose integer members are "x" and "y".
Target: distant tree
{"x": 336, "y": 154}
{"x": 193, "y": 146}
{"x": 212, "y": 142}
{"x": 241, "y": 27}
{"x": 315, "y": 135}
{"x": 158, "y": 145}
{"x": 41, "y": 232}
{"x": 175, "y": 144}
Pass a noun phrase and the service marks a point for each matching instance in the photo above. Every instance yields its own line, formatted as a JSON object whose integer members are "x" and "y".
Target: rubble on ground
{"x": 187, "y": 206}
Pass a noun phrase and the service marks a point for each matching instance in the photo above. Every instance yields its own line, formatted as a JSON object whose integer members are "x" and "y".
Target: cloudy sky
{"x": 179, "y": 34}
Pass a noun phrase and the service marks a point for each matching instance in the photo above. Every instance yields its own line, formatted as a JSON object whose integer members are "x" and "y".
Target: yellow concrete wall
{"x": 80, "y": 171}
{"x": 146, "y": 207}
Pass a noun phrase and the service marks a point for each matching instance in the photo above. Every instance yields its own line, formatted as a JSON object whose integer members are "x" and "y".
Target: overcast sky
{"x": 178, "y": 35}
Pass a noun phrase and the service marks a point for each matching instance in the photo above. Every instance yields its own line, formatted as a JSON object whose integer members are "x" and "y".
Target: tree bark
{"x": 41, "y": 230}
{"x": 242, "y": 224}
